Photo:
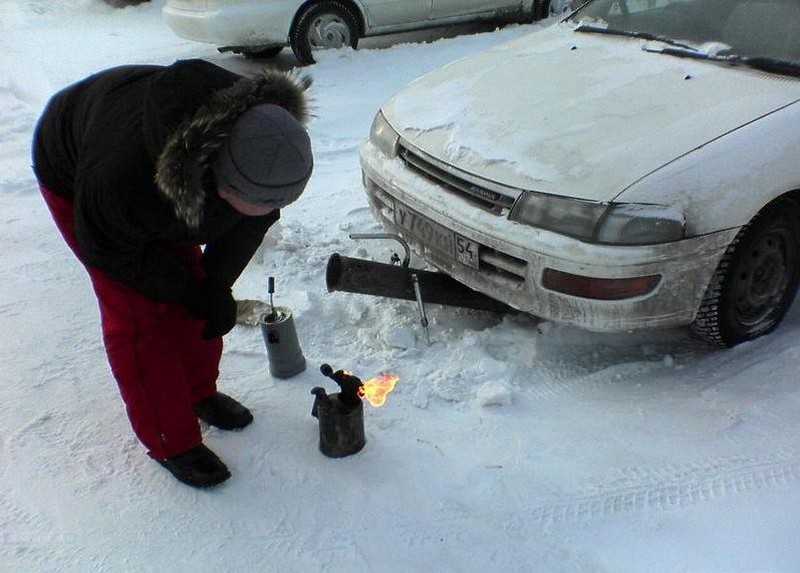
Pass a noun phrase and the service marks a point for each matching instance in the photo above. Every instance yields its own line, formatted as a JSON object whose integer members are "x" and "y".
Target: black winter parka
{"x": 120, "y": 145}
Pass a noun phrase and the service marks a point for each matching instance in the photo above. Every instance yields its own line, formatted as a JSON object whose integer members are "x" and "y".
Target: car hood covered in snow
{"x": 578, "y": 114}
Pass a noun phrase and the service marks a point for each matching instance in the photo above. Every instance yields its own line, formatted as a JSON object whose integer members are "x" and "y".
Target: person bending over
{"x": 141, "y": 165}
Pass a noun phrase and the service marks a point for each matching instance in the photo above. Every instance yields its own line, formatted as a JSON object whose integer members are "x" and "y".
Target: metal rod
{"x": 392, "y": 236}
{"x": 271, "y": 291}
{"x": 423, "y": 316}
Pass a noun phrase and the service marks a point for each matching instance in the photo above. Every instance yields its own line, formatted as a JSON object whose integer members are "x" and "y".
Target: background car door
{"x": 447, "y": 8}
{"x": 397, "y": 12}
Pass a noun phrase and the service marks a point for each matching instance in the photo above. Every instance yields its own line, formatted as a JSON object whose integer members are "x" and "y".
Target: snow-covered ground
{"x": 509, "y": 445}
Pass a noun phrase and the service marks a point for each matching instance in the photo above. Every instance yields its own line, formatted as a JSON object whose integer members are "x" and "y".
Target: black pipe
{"x": 378, "y": 279}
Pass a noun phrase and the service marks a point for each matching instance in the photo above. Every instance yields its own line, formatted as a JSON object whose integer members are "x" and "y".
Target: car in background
{"x": 262, "y": 28}
{"x": 634, "y": 166}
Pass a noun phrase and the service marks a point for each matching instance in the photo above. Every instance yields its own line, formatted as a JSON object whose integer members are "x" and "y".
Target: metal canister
{"x": 283, "y": 348}
{"x": 341, "y": 425}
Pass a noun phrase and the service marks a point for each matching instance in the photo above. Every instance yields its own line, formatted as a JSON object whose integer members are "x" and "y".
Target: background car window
{"x": 635, "y": 6}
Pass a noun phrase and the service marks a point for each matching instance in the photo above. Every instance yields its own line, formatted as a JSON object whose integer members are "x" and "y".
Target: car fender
{"x": 364, "y": 13}
{"x": 724, "y": 183}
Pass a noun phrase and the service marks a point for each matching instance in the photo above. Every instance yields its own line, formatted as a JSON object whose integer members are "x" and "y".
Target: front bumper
{"x": 244, "y": 23}
{"x": 513, "y": 256}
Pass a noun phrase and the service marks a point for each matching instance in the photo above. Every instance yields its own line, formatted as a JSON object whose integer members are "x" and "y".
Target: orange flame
{"x": 377, "y": 389}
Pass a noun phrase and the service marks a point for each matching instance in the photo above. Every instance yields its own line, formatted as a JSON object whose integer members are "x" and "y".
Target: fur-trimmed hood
{"x": 190, "y": 148}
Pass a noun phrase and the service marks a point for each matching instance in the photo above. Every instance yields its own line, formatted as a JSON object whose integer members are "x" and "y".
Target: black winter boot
{"x": 223, "y": 412}
{"x": 199, "y": 467}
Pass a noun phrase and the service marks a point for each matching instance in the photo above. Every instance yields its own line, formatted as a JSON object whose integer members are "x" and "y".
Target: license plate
{"x": 436, "y": 236}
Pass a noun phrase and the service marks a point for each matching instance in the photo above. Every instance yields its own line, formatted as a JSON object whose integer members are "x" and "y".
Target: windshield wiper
{"x": 774, "y": 65}
{"x": 765, "y": 64}
{"x": 632, "y": 34}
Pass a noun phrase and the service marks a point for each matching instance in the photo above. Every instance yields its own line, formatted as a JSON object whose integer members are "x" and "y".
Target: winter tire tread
{"x": 707, "y": 325}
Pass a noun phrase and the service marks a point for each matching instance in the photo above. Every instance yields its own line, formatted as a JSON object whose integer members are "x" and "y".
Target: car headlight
{"x": 632, "y": 224}
{"x": 613, "y": 224}
{"x": 384, "y": 136}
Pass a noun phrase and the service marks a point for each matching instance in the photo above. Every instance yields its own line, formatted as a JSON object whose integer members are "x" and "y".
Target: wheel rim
{"x": 762, "y": 279}
{"x": 328, "y": 31}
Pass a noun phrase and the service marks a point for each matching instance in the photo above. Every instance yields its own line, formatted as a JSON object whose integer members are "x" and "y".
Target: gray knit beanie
{"x": 267, "y": 158}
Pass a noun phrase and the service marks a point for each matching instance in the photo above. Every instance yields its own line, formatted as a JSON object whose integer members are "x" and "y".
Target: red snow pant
{"x": 156, "y": 351}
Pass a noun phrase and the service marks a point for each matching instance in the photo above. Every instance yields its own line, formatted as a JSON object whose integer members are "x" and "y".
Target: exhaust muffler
{"x": 361, "y": 276}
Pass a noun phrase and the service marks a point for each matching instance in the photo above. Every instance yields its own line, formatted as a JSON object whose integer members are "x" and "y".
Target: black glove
{"x": 214, "y": 304}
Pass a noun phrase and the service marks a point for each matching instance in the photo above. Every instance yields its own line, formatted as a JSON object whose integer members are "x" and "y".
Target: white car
{"x": 263, "y": 27}
{"x": 634, "y": 166}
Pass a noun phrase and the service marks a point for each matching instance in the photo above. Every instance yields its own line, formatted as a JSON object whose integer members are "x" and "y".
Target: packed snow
{"x": 509, "y": 444}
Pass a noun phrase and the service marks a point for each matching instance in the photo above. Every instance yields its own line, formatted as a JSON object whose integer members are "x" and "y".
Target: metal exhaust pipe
{"x": 361, "y": 276}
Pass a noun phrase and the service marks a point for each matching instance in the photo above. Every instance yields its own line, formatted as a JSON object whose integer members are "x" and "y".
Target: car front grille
{"x": 500, "y": 267}
{"x": 483, "y": 197}
{"x": 503, "y": 267}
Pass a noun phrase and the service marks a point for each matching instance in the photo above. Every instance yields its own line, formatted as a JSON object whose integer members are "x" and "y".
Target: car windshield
{"x": 745, "y": 30}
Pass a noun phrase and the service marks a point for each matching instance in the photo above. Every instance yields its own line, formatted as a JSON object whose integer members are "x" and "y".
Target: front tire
{"x": 323, "y": 26}
{"x": 756, "y": 280}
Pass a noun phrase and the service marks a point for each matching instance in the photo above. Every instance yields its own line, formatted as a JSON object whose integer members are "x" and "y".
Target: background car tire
{"x": 333, "y": 23}
{"x": 756, "y": 280}
{"x": 264, "y": 54}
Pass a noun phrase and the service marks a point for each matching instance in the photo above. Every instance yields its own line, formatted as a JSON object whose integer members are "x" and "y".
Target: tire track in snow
{"x": 558, "y": 384}
{"x": 672, "y": 487}
{"x": 636, "y": 490}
